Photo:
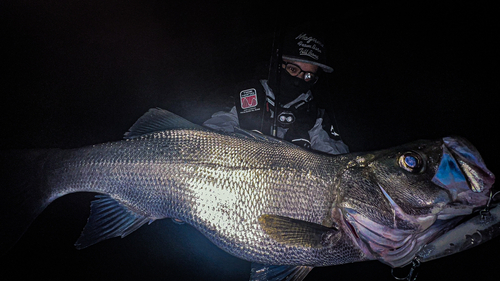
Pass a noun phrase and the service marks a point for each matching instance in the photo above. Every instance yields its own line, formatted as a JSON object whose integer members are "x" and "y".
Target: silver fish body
{"x": 263, "y": 200}
{"x": 219, "y": 184}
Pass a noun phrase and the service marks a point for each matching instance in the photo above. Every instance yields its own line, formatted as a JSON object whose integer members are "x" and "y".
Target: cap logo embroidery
{"x": 308, "y": 46}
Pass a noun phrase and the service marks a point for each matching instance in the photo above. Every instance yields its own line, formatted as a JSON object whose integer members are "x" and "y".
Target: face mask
{"x": 290, "y": 87}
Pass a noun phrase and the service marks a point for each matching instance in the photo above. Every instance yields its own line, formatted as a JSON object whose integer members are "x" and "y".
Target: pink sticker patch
{"x": 248, "y": 98}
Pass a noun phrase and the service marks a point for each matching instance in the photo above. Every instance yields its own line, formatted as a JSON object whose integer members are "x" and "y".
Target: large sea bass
{"x": 279, "y": 206}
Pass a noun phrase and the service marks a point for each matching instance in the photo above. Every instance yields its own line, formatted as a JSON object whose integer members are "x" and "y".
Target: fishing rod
{"x": 275, "y": 65}
{"x": 278, "y": 58}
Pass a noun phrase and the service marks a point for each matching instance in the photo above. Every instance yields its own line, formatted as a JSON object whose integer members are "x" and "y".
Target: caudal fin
{"x": 22, "y": 194}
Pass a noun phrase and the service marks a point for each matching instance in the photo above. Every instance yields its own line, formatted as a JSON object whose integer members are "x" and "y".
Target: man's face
{"x": 300, "y": 69}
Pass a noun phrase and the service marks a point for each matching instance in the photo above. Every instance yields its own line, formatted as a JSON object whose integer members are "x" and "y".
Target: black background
{"x": 81, "y": 72}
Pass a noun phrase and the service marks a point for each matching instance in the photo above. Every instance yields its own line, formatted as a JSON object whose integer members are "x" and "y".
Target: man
{"x": 286, "y": 100}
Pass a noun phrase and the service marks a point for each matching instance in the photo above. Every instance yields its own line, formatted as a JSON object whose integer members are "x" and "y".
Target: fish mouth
{"x": 462, "y": 173}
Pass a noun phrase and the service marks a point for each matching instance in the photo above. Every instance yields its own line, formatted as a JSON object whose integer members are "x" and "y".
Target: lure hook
{"x": 412, "y": 275}
{"x": 485, "y": 213}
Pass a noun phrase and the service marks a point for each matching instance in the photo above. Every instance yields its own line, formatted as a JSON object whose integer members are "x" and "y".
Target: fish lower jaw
{"x": 393, "y": 247}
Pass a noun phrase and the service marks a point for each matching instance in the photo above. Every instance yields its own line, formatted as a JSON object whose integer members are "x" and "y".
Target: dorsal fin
{"x": 157, "y": 120}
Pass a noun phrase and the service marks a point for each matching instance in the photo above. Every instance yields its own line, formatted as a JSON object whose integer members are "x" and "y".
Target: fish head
{"x": 393, "y": 202}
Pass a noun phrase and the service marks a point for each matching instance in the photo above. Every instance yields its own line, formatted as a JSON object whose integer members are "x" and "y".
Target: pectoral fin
{"x": 261, "y": 272}
{"x": 109, "y": 218}
{"x": 298, "y": 232}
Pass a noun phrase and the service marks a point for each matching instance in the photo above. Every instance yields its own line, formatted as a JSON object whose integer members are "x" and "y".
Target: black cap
{"x": 305, "y": 46}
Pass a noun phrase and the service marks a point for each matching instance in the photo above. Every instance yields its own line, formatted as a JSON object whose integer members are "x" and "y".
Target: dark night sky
{"x": 81, "y": 72}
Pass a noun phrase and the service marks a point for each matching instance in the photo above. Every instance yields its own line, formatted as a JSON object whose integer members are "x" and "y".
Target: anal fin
{"x": 109, "y": 218}
{"x": 261, "y": 272}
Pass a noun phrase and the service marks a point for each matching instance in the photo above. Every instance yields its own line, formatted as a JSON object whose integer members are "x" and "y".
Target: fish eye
{"x": 412, "y": 162}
